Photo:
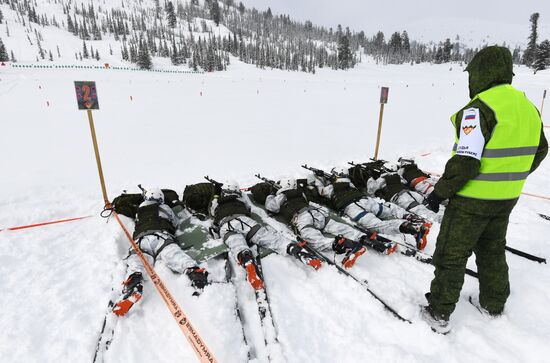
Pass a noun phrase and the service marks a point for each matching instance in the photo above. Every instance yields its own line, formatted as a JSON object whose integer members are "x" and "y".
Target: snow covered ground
{"x": 171, "y": 130}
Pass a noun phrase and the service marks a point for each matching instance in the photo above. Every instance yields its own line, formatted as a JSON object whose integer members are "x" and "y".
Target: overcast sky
{"x": 479, "y": 18}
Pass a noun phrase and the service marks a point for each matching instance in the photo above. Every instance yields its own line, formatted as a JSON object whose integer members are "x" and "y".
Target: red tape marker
{"x": 524, "y": 193}
{"x": 536, "y": 196}
{"x": 43, "y": 224}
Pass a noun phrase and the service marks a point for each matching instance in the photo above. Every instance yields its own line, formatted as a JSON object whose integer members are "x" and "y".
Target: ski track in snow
{"x": 56, "y": 280}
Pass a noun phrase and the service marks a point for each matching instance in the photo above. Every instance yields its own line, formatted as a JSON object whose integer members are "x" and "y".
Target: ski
{"x": 544, "y": 216}
{"x": 264, "y": 310}
{"x": 107, "y": 332}
{"x": 229, "y": 273}
{"x": 363, "y": 283}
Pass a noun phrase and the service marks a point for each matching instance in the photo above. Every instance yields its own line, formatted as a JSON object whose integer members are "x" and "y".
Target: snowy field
{"x": 171, "y": 130}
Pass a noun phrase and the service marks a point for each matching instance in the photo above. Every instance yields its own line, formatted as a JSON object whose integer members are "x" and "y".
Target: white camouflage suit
{"x": 234, "y": 231}
{"x": 150, "y": 243}
{"x": 422, "y": 185}
{"x": 405, "y": 198}
{"x": 368, "y": 212}
{"x": 312, "y": 222}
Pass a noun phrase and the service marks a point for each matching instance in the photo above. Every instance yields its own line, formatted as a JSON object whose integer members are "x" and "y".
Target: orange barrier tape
{"x": 43, "y": 224}
{"x": 202, "y": 351}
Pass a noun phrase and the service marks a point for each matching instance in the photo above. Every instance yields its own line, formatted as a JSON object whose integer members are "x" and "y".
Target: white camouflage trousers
{"x": 172, "y": 255}
{"x": 370, "y": 214}
{"x": 405, "y": 198}
{"x": 234, "y": 233}
{"x": 313, "y": 222}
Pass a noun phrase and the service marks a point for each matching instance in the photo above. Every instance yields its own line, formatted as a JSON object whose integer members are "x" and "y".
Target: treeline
{"x": 536, "y": 56}
{"x": 400, "y": 49}
{"x": 188, "y": 33}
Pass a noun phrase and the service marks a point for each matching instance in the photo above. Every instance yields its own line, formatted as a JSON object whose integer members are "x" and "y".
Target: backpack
{"x": 359, "y": 176}
{"x": 197, "y": 197}
{"x": 260, "y": 192}
{"x": 171, "y": 198}
{"x": 128, "y": 204}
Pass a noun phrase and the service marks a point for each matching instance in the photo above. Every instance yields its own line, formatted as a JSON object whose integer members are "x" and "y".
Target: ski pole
{"x": 363, "y": 283}
{"x": 525, "y": 255}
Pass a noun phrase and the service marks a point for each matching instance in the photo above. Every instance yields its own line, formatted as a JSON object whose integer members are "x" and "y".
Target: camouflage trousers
{"x": 468, "y": 226}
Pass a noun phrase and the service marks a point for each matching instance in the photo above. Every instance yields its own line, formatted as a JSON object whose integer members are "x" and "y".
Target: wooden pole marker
{"x": 86, "y": 97}
{"x": 383, "y": 100}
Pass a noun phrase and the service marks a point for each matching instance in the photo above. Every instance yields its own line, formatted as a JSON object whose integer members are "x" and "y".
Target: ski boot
{"x": 246, "y": 259}
{"x": 421, "y": 236}
{"x": 438, "y": 324}
{"x": 198, "y": 277}
{"x": 351, "y": 249}
{"x": 297, "y": 249}
{"x": 474, "y": 300}
{"x": 419, "y": 232}
{"x": 131, "y": 294}
{"x": 379, "y": 244}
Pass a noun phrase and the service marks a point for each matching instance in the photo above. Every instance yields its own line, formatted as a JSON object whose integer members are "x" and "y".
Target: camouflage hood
{"x": 491, "y": 66}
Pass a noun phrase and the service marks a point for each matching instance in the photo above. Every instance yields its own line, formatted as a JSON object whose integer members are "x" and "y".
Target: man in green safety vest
{"x": 499, "y": 142}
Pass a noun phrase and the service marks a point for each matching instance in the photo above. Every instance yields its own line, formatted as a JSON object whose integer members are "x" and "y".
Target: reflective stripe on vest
{"x": 509, "y": 154}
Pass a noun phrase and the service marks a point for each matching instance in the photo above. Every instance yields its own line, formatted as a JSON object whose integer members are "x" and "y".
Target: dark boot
{"x": 246, "y": 260}
{"x": 131, "y": 294}
{"x": 198, "y": 277}
{"x": 475, "y": 302}
{"x": 379, "y": 244}
{"x": 437, "y": 323}
{"x": 419, "y": 232}
{"x": 297, "y": 249}
{"x": 352, "y": 250}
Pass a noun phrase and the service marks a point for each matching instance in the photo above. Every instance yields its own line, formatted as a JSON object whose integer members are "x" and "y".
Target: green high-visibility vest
{"x": 509, "y": 153}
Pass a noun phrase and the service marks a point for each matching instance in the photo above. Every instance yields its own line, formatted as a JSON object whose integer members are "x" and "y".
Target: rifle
{"x": 217, "y": 185}
{"x": 374, "y": 168}
{"x": 321, "y": 173}
{"x": 271, "y": 182}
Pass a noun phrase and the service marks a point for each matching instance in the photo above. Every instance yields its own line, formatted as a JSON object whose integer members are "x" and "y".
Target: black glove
{"x": 372, "y": 170}
{"x": 432, "y": 202}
